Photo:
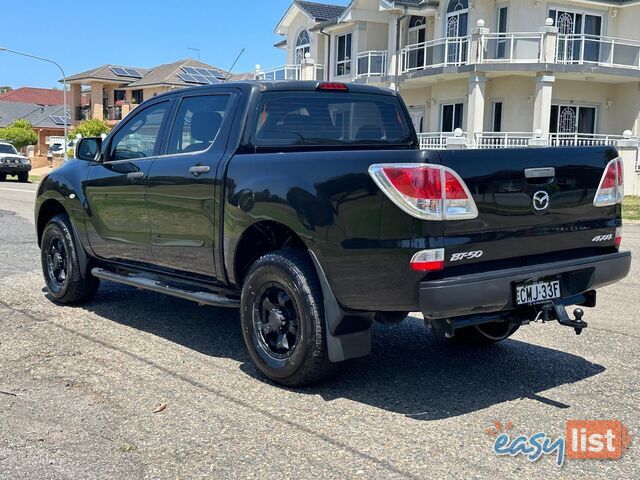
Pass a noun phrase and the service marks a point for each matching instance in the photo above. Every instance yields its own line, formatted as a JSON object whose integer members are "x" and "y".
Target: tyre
{"x": 485, "y": 334}
{"x": 282, "y": 319}
{"x": 3, "y": 177}
{"x": 60, "y": 265}
{"x": 23, "y": 177}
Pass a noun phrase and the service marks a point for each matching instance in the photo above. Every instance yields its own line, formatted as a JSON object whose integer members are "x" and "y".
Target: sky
{"x": 139, "y": 33}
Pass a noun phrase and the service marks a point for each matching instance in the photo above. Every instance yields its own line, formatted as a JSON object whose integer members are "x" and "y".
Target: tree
{"x": 20, "y": 133}
{"x": 89, "y": 128}
{"x": 5, "y": 89}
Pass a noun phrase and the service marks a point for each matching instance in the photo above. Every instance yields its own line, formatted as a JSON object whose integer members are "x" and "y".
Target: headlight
{"x": 25, "y": 161}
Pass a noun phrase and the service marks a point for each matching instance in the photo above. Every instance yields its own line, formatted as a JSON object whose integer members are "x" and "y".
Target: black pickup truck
{"x": 310, "y": 207}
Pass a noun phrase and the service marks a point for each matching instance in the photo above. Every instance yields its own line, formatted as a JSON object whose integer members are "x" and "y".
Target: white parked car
{"x": 13, "y": 164}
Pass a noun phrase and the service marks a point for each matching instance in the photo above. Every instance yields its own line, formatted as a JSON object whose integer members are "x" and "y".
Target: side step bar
{"x": 202, "y": 298}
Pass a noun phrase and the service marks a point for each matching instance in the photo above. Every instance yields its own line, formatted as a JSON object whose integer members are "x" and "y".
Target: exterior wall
{"x": 625, "y": 111}
{"x": 516, "y": 93}
{"x": 300, "y": 22}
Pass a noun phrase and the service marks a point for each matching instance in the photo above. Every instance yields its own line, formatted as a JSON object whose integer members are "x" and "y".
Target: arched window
{"x": 303, "y": 46}
{"x": 457, "y": 5}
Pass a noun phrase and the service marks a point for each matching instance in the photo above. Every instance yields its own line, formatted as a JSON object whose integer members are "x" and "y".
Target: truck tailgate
{"x": 533, "y": 205}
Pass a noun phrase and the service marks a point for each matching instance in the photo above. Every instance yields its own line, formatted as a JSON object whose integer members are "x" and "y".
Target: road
{"x": 80, "y": 387}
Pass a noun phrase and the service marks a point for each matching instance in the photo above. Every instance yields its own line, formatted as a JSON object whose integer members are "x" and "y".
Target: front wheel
{"x": 23, "y": 177}
{"x": 282, "y": 318}
{"x": 61, "y": 266}
{"x": 3, "y": 177}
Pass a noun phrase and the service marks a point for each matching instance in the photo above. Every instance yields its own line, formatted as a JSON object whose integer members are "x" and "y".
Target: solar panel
{"x": 57, "y": 119}
{"x": 126, "y": 72}
{"x": 133, "y": 73}
{"x": 201, "y": 76}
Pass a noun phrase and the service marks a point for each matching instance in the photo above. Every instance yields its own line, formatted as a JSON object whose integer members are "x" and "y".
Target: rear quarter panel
{"x": 362, "y": 240}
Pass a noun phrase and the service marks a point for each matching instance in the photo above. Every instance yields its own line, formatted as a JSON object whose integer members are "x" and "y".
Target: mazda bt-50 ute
{"x": 310, "y": 208}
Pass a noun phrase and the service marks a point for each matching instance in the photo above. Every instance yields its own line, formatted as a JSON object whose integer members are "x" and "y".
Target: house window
{"x": 457, "y": 19}
{"x": 119, "y": 96}
{"x": 343, "y": 57}
{"x": 501, "y": 27}
{"x": 570, "y": 45}
{"x": 417, "y": 34}
{"x": 137, "y": 97}
{"x": 451, "y": 116}
{"x": 573, "y": 119}
{"x": 496, "y": 116}
{"x": 303, "y": 46}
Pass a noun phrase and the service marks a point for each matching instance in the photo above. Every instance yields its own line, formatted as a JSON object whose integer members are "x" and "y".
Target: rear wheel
{"x": 485, "y": 334}
{"x": 283, "y": 319}
{"x": 61, "y": 267}
{"x": 23, "y": 177}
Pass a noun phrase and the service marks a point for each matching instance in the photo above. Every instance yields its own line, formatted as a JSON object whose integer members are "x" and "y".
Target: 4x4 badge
{"x": 540, "y": 200}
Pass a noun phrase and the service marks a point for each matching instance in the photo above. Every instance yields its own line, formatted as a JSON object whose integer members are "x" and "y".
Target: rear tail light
{"x": 428, "y": 260}
{"x": 425, "y": 191}
{"x": 618, "y": 239}
{"x": 611, "y": 189}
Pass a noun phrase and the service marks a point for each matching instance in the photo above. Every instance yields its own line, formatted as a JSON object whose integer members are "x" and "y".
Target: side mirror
{"x": 89, "y": 149}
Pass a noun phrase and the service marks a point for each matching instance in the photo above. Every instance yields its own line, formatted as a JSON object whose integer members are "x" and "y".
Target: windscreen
{"x": 288, "y": 119}
{"x": 4, "y": 148}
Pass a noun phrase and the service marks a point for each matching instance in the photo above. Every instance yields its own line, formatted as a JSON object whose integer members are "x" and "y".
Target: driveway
{"x": 137, "y": 385}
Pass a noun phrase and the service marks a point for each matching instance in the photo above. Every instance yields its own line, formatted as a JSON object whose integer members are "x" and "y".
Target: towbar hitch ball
{"x": 554, "y": 311}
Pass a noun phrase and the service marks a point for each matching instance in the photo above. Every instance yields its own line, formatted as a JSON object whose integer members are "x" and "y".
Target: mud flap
{"x": 348, "y": 335}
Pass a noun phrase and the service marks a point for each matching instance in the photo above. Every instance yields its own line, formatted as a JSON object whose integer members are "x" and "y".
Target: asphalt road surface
{"x": 79, "y": 388}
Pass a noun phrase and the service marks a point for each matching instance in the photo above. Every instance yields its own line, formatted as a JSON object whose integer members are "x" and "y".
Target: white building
{"x": 499, "y": 70}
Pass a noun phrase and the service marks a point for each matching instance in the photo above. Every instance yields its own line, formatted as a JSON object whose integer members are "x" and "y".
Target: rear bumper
{"x": 494, "y": 291}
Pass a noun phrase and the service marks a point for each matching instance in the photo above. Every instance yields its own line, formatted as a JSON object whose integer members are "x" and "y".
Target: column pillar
{"x": 75, "y": 102}
{"x": 476, "y": 49}
{"x": 549, "y": 42}
{"x": 475, "y": 107}
{"x": 97, "y": 107}
{"x": 392, "y": 52}
{"x": 542, "y": 104}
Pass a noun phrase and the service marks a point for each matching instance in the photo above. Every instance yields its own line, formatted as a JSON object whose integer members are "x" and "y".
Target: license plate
{"x": 537, "y": 292}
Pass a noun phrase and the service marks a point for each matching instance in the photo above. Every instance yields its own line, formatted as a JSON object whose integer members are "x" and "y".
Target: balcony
{"x": 372, "y": 63}
{"x": 307, "y": 71}
{"x": 453, "y": 51}
{"x": 596, "y": 50}
{"x": 113, "y": 113}
{"x": 546, "y": 47}
{"x": 493, "y": 140}
{"x": 511, "y": 48}
{"x": 83, "y": 113}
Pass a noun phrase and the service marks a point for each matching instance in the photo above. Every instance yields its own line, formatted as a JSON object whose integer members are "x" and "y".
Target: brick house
{"x": 112, "y": 91}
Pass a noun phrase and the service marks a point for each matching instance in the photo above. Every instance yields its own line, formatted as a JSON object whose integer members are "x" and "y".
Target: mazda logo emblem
{"x": 540, "y": 201}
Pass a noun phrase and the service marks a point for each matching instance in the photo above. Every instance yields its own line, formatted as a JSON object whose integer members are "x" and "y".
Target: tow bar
{"x": 553, "y": 311}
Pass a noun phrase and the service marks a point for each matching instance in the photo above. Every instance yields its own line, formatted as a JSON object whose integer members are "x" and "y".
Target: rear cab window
{"x": 307, "y": 119}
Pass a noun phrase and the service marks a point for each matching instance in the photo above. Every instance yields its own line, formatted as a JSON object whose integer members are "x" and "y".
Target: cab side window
{"x": 198, "y": 123}
{"x": 138, "y": 138}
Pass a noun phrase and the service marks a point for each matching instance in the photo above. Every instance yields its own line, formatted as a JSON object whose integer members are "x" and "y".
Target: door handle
{"x": 135, "y": 175}
{"x": 199, "y": 170}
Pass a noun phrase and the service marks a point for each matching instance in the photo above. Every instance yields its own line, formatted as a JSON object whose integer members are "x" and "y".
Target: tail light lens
{"x": 425, "y": 191}
{"x": 428, "y": 260}
{"x": 611, "y": 189}
{"x": 618, "y": 238}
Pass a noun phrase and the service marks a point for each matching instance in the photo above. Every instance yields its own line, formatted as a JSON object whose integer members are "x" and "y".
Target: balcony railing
{"x": 83, "y": 112}
{"x": 284, "y": 72}
{"x": 291, "y": 72}
{"x": 113, "y": 113}
{"x": 511, "y": 48}
{"x": 525, "y": 47}
{"x": 453, "y": 51}
{"x": 597, "y": 50}
{"x": 491, "y": 140}
{"x": 502, "y": 139}
{"x": 371, "y": 64}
